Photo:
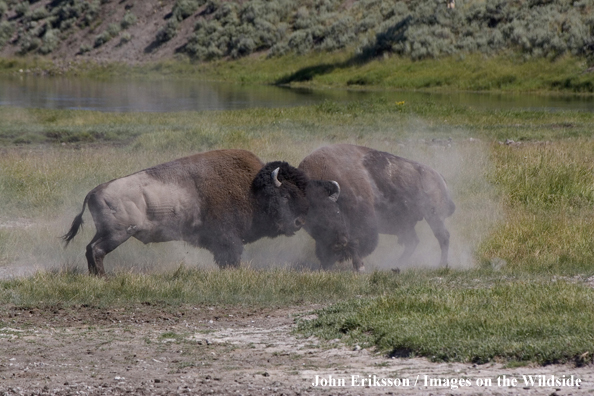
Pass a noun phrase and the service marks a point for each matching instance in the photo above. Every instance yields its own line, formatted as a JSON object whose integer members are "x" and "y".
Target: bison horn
{"x": 334, "y": 197}
{"x": 275, "y": 177}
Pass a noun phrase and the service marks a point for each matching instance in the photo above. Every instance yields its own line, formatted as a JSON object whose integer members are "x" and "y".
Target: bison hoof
{"x": 396, "y": 270}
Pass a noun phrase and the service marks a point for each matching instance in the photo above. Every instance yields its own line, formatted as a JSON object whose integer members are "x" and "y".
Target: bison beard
{"x": 218, "y": 200}
{"x": 381, "y": 194}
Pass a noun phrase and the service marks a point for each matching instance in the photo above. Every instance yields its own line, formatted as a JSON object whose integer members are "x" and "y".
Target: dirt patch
{"x": 148, "y": 349}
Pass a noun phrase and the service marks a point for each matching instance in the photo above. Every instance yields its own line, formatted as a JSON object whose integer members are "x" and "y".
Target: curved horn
{"x": 275, "y": 177}
{"x": 334, "y": 197}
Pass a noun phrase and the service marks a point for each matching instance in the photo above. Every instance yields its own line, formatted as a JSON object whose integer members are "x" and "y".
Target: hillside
{"x": 150, "y": 30}
{"x": 102, "y": 31}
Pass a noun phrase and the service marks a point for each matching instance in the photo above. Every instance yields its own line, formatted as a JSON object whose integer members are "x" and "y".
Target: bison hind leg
{"x": 443, "y": 237}
{"x": 99, "y": 247}
{"x": 407, "y": 237}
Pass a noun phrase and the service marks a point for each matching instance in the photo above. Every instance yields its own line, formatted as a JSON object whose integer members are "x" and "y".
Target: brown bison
{"x": 218, "y": 200}
{"x": 379, "y": 193}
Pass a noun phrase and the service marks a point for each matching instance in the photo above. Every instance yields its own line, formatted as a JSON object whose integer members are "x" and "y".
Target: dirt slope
{"x": 151, "y": 15}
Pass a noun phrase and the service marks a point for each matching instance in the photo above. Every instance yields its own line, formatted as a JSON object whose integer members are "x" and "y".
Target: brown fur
{"x": 380, "y": 193}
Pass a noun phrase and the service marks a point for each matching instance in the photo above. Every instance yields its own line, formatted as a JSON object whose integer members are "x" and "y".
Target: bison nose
{"x": 343, "y": 240}
{"x": 299, "y": 222}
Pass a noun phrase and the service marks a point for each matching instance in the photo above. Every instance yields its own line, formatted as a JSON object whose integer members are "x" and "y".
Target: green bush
{"x": 6, "y": 30}
{"x": 91, "y": 11}
{"x": 182, "y": 9}
{"x": 168, "y": 31}
{"x": 29, "y": 43}
{"x": 427, "y": 30}
{"x": 128, "y": 20}
{"x": 84, "y": 48}
{"x": 102, "y": 39}
{"x": 124, "y": 38}
{"x": 49, "y": 42}
{"x": 22, "y": 8}
{"x": 39, "y": 13}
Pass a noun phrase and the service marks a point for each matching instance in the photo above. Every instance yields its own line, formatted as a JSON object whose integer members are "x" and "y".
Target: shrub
{"x": 102, "y": 39}
{"x": 183, "y": 9}
{"x": 124, "y": 38}
{"x": 113, "y": 29}
{"x": 128, "y": 20}
{"x": 91, "y": 11}
{"x": 84, "y": 48}
{"x": 39, "y": 13}
{"x": 300, "y": 41}
{"x": 168, "y": 31}
{"x": 49, "y": 41}
{"x": 22, "y": 8}
{"x": 6, "y": 31}
{"x": 29, "y": 43}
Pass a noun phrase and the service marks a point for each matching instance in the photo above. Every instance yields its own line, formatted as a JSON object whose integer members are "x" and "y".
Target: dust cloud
{"x": 34, "y": 244}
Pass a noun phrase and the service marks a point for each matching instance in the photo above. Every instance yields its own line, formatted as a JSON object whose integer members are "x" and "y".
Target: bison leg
{"x": 99, "y": 247}
{"x": 227, "y": 253}
{"x": 325, "y": 255}
{"x": 358, "y": 264}
{"x": 410, "y": 240}
{"x": 443, "y": 237}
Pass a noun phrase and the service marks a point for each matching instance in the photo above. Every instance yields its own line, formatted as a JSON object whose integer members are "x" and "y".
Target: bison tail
{"x": 76, "y": 224}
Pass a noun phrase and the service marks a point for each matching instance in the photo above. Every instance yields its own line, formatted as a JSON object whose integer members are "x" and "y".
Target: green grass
{"x": 372, "y": 119}
{"x": 444, "y": 320}
{"x": 245, "y": 286}
{"x": 548, "y": 198}
{"x": 498, "y": 73}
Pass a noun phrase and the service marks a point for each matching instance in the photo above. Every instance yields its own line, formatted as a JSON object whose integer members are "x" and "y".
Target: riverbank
{"x": 510, "y": 73}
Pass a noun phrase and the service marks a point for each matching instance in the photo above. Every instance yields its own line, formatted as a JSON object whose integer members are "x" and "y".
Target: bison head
{"x": 325, "y": 222}
{"x": 280, "y": 193}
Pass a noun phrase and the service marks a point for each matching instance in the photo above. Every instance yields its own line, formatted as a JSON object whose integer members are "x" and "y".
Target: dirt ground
{"x": 163, "y": 350}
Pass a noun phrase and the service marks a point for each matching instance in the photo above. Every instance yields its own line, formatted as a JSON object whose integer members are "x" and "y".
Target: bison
{"x": 380, "y": 193}
{"x": 218, "y": 200}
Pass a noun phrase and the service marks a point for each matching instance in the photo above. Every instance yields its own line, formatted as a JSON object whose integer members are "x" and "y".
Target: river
{"x": 168, "y": 95}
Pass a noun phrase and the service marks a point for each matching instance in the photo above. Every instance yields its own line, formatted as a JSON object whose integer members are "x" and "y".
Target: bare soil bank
{"x": 151, "y": 16}
{"x": 153, "y": 350}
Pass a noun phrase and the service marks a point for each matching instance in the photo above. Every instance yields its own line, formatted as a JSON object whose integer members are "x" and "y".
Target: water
{"x": 119, "y": 95}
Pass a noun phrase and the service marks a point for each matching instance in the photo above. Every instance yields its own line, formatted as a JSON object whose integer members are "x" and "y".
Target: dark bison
{"x": 219, "y": 200}
{"x": 380, "y": 193}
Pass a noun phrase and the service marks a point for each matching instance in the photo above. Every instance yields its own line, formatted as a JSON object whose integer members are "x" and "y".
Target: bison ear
{"x": 275, "y": 177}
{"x": 334, "y": 196}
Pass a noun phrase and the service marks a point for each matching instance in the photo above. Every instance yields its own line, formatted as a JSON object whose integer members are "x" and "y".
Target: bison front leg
{"x": 227, "y": 252}
{"x": 358, "y": 264}
{"x": 325, "y": 255}
{"x": 410, "y": 240}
